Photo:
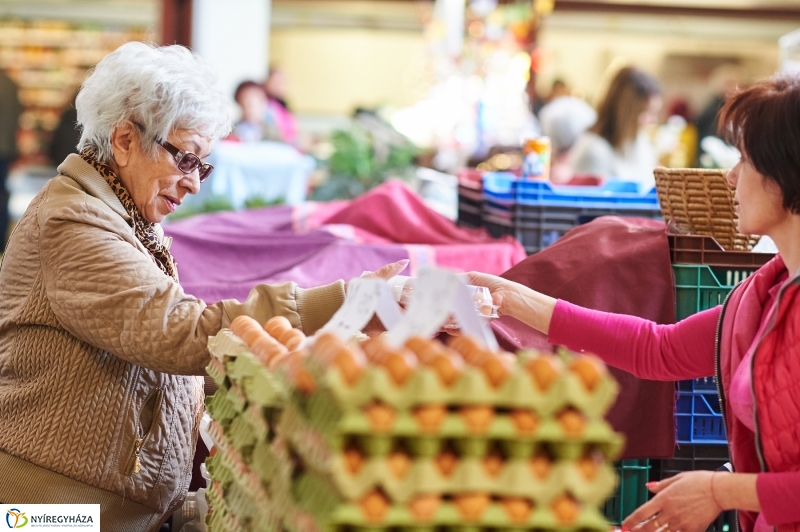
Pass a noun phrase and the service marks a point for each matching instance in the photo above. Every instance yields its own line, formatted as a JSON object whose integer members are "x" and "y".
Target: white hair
{"x": 159, "y": 88}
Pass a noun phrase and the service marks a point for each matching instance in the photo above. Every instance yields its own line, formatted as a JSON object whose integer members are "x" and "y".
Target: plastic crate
{"x": 698, "y": 419}
{"x": 699, "y": 287}
{"x": 694, "y": 249}
{"x": 631, "y": 490}
{"x": 538, "y": 226}
{"x": 506, "y": 189}
{"x": 470, "y": 203}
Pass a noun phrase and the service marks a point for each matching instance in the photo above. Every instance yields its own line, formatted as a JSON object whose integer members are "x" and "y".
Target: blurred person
{"x": 66, "y": 135}
{"x": 725, "y": 80}
{"x": 564, "y": 120}
{"x": 256, "y": 124}
{"x": 558, "y": 89}
{"x": 750, "y": 344}
{"x": 10, "y": 111}
{"x": 277, "y": 109}
{"x": 102, "y": 353}
{"x": 617, "y": 146}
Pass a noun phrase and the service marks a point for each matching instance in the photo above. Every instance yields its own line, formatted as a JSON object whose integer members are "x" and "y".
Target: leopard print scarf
{"x": 145, "y": 231}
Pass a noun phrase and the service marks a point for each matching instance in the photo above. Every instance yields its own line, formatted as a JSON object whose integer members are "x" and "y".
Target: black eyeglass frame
{"x": 181, "y": 157}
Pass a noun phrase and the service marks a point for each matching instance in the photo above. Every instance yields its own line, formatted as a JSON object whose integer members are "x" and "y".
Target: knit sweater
{"x": 101, "y": 355}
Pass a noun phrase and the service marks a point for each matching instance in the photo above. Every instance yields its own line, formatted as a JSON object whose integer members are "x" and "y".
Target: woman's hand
{"x": 683, "y": 503}
{"x": 518, "y": 301}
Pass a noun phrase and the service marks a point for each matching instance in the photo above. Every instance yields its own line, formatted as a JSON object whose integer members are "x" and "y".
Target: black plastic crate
{"x": 697, "y": 458}
{"x": 538, "y": 226}
{"x": 470, "y": 208}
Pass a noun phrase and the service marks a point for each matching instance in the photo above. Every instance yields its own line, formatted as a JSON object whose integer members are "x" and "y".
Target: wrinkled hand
{"x": 384, "y": 272}
{"x": 683, "y": 503}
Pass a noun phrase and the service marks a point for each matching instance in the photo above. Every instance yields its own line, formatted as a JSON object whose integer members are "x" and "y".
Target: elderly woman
{"x": 101, "y": 351}
{"x": 751, "y": 344}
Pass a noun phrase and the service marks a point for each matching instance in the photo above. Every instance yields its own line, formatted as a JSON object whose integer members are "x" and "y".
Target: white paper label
{"x": 437, "y": 295}
{"x": 365, "y": 298}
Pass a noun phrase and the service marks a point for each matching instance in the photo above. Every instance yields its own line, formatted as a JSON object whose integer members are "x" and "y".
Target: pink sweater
{"x": 681, "y": 351}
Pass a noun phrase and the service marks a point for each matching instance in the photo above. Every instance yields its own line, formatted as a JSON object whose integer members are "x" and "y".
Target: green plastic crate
{"x": 631, "y": 492}
{"x": 699, "y": 287}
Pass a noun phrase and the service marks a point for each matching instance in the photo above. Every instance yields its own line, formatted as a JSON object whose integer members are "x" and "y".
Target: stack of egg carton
{"x": 339, "y": 437}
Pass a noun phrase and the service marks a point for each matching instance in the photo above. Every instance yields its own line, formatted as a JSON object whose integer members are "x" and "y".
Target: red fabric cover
{"x": 616, "y": 265}
{"x": 395, "y": 212}
{"x": 775, "y": 377}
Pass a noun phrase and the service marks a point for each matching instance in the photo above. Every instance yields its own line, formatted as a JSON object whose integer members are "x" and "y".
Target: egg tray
{"x": 265, "y": 387}
{"x": 222, "y": 517}
{"x": 244, "y": 494}
{"x": 348, "y": 516}
{"x": 472, "y": 387}
{"x": 317, "y": 444}
{"x": 515, "y": 479}
{"x": 233, "y": 362}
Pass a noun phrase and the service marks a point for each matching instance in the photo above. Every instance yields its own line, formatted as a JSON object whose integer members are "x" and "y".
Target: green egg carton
{"x": 472, "y": 387}
{"x": 515, "y": 479}
{"x": 216, "y": 370}
{"x": 220, "y": 408}
{"x": 351, "y": 517}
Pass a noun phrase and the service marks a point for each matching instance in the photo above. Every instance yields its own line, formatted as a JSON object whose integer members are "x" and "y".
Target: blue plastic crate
{"x": 705, "y": 384}
{"x": 698, "y": 418}
{"x": 506, "y": 189}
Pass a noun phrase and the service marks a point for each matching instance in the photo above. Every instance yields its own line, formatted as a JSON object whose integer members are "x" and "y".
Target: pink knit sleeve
{"x": 684, "y": 350}
{"x": 779, "y": 495}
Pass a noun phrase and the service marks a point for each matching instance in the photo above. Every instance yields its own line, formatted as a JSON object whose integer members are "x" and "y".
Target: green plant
{"x": 259, "y": 202}
{"x": 360, "y": 162}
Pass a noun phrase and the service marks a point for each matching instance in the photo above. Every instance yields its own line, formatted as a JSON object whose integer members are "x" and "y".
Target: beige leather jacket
{"x": 101, "y": 353}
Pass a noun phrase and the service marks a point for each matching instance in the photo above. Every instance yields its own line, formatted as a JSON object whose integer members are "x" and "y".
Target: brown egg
{"x": 478, "y": 418}
{"x": 518, "y": 509}
{"x": 493, "y": 464}
{"x": 565, "y": 508}
{"x": 326, "y": 347}
{"x": 572, "y": 422}
{"x": 294, "y": 341}
{"x": 545, "y": 370}
{"x": 446, "y": 462}
{"x": 467, "y": 347}
{"x": 486, "y": 310}
{"x": 424, "y": 507}
{"x": 399, "y": 464}
{"x": 349, "y": 366}
{"x": 381, "y": 417}
{"x": 420, "y": 346}
{"x": 525, "y": 421}
{"x": 291, "y": 335}
{"x": 588, "y": 467}
{"x": 277, "y": 326}
{"x": 304, "y": 380}
{"x": 266, "y": 348}
{"x": 374, "y": 505}
{"x": 448, "y": 368}
{"x": 353, "y": 460}
{"x": 471, "y": 506}
{"x": 495, "y": 370}
{"x": 400, "y": 367}
{"x": 251, "y": 335}
{"x": 540, "y": 465}
{"x": 590, "y": 370}
{"x": 430, "y": 417}
{"x": 242, "y": 323}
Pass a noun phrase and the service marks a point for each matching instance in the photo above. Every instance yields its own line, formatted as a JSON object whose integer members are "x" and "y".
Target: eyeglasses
{"x": 186, "y": 161}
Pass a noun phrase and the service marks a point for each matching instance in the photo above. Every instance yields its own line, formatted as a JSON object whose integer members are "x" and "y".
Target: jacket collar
{"x": 90, "y": 179}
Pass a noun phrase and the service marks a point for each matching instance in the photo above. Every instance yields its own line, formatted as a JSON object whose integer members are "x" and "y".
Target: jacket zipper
{"x": 718, "y": 382}
{"x": 135, "y": 465}
{"x": 759, "y": 450}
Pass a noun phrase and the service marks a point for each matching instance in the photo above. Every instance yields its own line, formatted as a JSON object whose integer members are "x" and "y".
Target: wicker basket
{"x": 701, "y": 202}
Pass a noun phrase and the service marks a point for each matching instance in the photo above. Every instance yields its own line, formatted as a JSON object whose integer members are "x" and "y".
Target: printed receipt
{"x": 365, "y": 298}
{"x": 437, "y": 295}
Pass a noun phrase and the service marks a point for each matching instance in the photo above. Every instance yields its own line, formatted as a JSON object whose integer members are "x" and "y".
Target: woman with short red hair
{"x": 751, "y": 344}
